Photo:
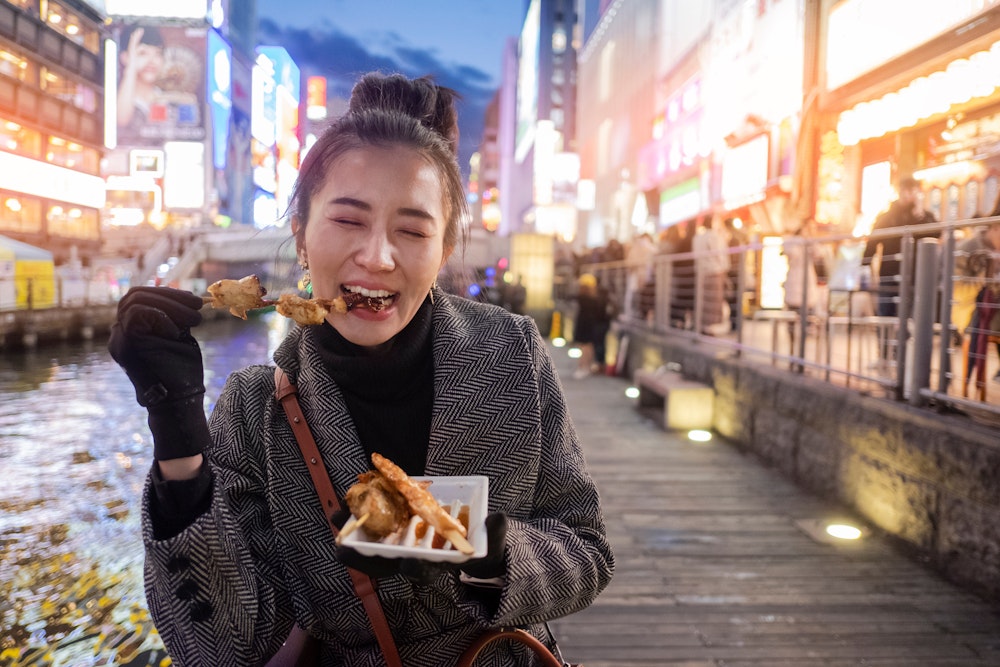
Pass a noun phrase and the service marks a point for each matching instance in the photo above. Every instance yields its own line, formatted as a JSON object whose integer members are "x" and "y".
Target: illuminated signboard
{"x": 220, "y": 99}
{"x": 32, "y": 177}
{"x": 316, "y": 98}
{"x": 914, "y": 22}
{"x": 287, "y": 77}
{"x": 161, "y": 84}
{"x": 527, "y": 82}
{"x": 744, "y": 172}
{"x": 184, "y": 174}
{"x": 263, "y": 105}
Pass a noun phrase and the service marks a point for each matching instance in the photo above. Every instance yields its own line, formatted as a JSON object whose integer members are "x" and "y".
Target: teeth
{"x": 370, "y": 293}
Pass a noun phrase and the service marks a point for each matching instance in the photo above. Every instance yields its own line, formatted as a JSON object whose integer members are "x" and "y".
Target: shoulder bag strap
{"x": 285, "y": 392}
{"x": 469, "y": 657}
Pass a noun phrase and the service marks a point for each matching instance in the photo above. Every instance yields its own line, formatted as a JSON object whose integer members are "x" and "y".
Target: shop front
{"x": 924, "y": 103}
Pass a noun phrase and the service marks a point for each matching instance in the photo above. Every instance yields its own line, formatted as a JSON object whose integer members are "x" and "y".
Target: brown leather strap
{"x": 364, "y": 587}
{"x": 516, "y": 635}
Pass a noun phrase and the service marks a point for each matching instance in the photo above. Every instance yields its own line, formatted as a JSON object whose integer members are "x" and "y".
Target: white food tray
{"x": 454, "y": 491}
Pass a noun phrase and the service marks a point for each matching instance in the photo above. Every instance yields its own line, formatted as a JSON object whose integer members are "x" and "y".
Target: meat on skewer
{"x": 240, "y": 296}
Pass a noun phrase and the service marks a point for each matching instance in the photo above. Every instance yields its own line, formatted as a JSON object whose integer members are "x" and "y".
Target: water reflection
{"x": 74, "y": 449}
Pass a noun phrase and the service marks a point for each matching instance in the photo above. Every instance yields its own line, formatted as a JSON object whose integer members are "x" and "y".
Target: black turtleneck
{"x": 389, "y": 393}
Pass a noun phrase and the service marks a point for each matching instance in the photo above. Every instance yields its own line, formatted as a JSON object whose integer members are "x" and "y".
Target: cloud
{"x": 342, "y": 58}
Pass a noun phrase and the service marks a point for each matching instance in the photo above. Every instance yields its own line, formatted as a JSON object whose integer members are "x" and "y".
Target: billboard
{"x": 160, "y": 93}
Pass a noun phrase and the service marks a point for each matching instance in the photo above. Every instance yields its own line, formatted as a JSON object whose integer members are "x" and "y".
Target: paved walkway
{"x": 716, "y": 566}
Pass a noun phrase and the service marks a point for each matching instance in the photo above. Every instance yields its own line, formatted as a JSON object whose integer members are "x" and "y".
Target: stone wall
{"x": 931, "y": 480}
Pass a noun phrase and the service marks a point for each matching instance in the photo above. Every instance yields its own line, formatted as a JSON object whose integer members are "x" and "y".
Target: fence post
{"x": 923, "y": 318}
{"x": 803, "y": 324}
{"x": 948, "y": 271}
{"x": 903, "y": 314}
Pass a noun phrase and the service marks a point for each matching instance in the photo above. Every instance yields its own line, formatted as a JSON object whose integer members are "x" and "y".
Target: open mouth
{"x": 373, "y": 300}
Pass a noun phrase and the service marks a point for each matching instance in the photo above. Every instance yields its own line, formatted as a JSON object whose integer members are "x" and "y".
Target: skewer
{"x": 351, "y": 526}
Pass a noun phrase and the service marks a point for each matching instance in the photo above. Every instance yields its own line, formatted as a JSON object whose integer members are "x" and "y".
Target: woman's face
{"x": 377, "y": 227}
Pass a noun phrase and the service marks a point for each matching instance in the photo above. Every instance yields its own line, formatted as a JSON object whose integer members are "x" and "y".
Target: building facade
{"x": 51, "y": 130}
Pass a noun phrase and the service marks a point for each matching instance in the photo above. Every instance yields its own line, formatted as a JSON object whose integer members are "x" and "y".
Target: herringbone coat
{"x": 227, "y": 589}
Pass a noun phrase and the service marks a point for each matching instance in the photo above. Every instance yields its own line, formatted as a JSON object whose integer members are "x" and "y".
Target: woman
{"x": 237, "y": 546}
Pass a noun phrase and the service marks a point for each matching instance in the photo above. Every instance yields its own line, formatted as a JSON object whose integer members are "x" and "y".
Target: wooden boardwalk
{"x": 715, "y": 565}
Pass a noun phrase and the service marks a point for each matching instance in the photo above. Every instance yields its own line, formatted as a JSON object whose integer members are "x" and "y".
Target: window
{"x": 27, "y": 102}
{"x": 15, "y": 138}
{"x": 50, "y": 111}
{"x": 16, "y": 66}
{"x": 63, "y": 20}
{"x": 8, "y": 94}
{"x": 50, "y": 45}
{"x": 73, "y": 222}
{"x": 20, "y": 213}
{"x": 27, "y": 33}
{"x": 6, "y": 20}
{"x": 58, "y": 86}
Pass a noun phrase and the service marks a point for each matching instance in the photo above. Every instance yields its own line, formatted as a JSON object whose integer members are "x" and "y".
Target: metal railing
{"x": 896, "y": 335}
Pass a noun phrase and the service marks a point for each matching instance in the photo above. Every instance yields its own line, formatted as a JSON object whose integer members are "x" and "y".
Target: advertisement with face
{"x": 161, "y": 84}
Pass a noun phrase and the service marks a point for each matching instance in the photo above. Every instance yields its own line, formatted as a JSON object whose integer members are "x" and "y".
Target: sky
{"x": 459, "y": 42}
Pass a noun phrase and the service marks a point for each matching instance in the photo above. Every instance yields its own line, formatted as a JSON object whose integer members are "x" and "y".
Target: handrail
{"x": 672, "y": 305}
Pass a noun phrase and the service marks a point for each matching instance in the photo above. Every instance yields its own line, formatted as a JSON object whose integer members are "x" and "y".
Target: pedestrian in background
{"x": 906, "y": 211}
{"x": 591, "y": 325}
{"x": 711, "y": 265}
{"x": 239, "y": 549}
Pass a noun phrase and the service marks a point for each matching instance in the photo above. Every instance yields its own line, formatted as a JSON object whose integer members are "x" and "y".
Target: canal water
{"x": 74, "y": 452}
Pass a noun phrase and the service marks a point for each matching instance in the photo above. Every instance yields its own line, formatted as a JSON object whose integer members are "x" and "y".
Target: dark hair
{"x": 384, "y": 111}
{"x": 909, "y": 183}
{"x": 150, "y": 35}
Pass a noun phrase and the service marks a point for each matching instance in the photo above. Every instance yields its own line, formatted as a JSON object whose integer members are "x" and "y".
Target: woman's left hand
{"x": 424, "y": 572}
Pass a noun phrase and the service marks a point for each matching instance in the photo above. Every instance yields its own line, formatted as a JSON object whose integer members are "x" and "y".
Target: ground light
{"x": 699, "y": 435}
{"x": 843, "y": 531}
{"x": 575, "y": 353}
{"x": 835, "y": 531}
{"x": 632, "y": 392}
{"x": 559, "y": 342}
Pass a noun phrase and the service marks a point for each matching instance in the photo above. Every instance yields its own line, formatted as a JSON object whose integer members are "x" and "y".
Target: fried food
{"x": 238, "y": 296}
{"x": 423, "y": 504}
{"x": 247, "y": 293}
{"x": 385, "y": 506}
{"x": 303, "y": 311}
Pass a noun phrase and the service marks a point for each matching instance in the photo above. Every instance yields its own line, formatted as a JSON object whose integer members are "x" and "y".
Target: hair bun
{"x": 430, "y": 104}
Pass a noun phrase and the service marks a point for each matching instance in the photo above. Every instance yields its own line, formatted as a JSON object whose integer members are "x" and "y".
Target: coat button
{"x": 186, "y": 591}
{"x": 178, "y": 564}
{"x": 201, "y": 611}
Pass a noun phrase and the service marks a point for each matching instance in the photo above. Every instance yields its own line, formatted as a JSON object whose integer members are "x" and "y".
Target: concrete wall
{"x": 932, "y": 480}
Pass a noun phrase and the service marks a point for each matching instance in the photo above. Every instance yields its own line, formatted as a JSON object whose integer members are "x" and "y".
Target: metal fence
{"x": 924, "y": 331}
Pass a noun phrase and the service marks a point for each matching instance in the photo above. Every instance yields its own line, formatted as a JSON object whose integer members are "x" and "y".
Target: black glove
{"x": 424, "y": 572}
{"x": 492, "y": 564}
{"x": 151, "y": 339}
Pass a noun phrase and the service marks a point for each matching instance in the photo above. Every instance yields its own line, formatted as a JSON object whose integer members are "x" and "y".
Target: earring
{"x": 431, "y": 292}
{"x": 306, "y": 281}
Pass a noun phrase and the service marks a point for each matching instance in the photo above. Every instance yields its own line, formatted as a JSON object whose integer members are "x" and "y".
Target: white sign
{"x": 32, "y": 177}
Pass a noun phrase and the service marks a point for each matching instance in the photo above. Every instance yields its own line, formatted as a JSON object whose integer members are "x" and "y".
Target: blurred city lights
{"x": 559, "y": 341}
{"x": 699, "y": 435}
{"x": 575, "y": 353}
{"x": 632, "y": 392}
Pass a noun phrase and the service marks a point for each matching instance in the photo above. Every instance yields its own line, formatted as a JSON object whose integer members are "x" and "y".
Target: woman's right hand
{"x": 151, "y": 340}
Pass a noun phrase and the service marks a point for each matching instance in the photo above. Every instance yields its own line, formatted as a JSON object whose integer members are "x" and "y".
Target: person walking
{"x": 906, "y": 211}
{"x": 591, "y": 326}
{"x": 238, "y": 548}
{"x": 711, "y": 266}
{"x": 977, "y": 259}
